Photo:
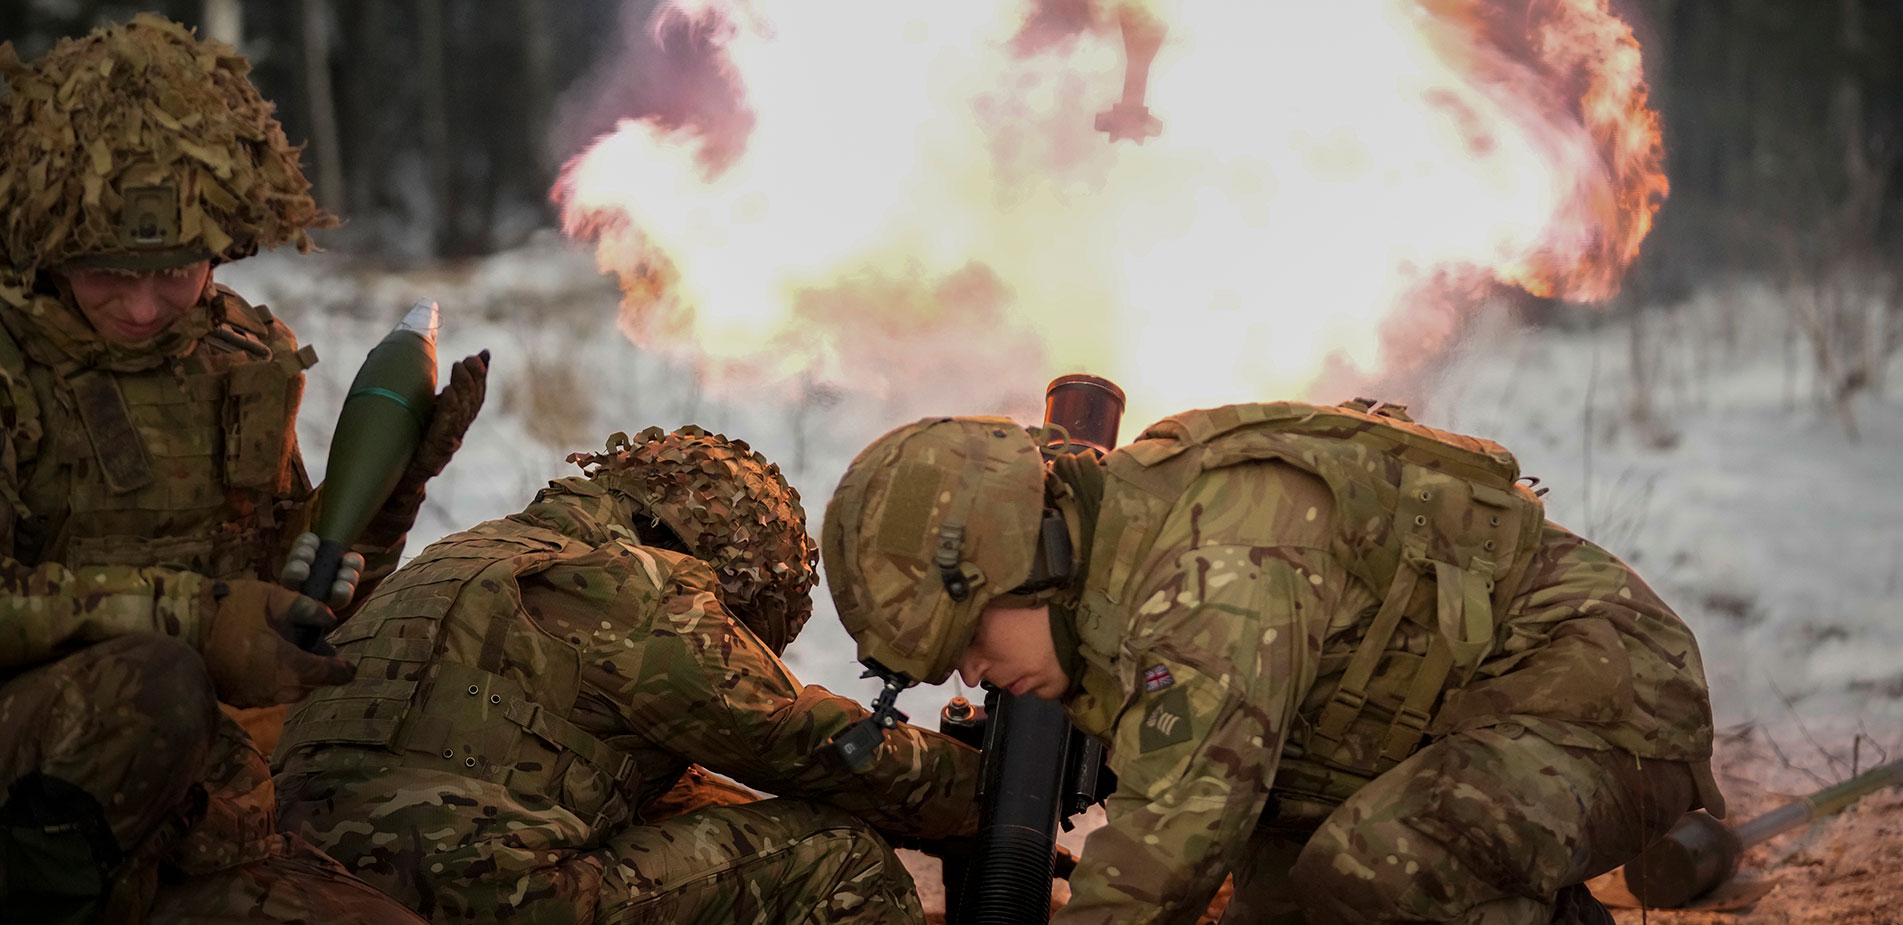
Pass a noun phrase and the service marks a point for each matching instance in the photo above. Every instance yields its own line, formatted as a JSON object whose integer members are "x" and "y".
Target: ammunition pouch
{"x": 206, "y": 444}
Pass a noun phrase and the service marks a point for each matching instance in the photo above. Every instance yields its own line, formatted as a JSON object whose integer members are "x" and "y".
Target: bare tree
{"x": 1844, "y": 294}
{"x": 315, "y": 29}
{"x": 538, "y": 62}
{"x": 433, "y": 82}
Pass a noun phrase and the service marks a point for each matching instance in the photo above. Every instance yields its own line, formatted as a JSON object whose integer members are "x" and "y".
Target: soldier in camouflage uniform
{"x": 531, "y": 692}
{"x": 1335, "y": 653}
{"x": 149, "y": 487}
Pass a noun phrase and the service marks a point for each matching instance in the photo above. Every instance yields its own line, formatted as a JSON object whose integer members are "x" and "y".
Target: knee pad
{"x": 58, "y": 860}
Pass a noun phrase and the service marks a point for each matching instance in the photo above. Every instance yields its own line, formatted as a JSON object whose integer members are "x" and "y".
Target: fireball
{"x": 1335, "y": 185}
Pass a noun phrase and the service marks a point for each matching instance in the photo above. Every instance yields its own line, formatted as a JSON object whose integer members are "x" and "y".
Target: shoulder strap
{"x": 1415, "y": 502}
{"x": 253, "y": 329}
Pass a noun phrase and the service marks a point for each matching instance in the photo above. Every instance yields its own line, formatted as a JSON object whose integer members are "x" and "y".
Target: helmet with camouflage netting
{"x": 142, "y": 147}
{"x": 732, "y": 509}
{"x": 930, "y": 523}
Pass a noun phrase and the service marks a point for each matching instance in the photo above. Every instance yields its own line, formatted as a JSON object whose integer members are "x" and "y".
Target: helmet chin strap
{"x": 1056, "y": 561}
{"x": 862, "y": 739}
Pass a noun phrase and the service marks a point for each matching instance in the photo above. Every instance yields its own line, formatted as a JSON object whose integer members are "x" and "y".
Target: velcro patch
{"x": 908, "y": 509}
{"x": 1166, "y": 722}
{"x": 1157, "y": 677}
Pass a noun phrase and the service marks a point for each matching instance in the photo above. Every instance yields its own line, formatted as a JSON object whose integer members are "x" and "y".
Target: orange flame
{"x": 1334, "y": 185}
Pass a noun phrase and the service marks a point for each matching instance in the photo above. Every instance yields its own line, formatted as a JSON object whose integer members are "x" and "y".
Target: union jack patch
{"x": 1156, "y": 678}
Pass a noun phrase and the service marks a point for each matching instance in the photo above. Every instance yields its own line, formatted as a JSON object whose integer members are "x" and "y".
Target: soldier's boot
{"x": 104, "y": 749}
{"x": 1577, "y": 906}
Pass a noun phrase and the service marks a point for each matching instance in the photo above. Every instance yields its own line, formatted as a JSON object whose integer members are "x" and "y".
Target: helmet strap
{"x": 1055, "y": 563}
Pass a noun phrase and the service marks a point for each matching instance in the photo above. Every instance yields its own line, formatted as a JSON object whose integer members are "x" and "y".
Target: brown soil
{"x": 1847, "y": 870}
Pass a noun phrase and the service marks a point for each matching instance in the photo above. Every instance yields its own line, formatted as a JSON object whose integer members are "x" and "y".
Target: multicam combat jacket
{"x": 127, "y": 477}
{"x": 130, "y": 480}
{"x": 527, "y": 687}
{"x": 1288, "y": 599}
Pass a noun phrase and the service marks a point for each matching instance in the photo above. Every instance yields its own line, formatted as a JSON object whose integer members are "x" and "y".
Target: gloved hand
{"x": 297, "y": 570}
{"x": 245, "y": 637}
{"x": 455, "y": 409}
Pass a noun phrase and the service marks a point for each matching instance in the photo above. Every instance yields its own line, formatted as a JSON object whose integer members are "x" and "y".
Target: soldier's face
{"x": 1012, "y": 649}
{"x": 129, "y": 307}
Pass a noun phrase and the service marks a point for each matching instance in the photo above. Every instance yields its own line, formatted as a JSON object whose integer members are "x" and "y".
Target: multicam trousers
{"x": 128, "y": 732}
{"x": 1480, "y": 828}
{"x": 717, "y": 860}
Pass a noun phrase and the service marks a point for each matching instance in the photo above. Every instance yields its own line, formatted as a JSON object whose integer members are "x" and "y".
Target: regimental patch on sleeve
{"x": 1166, "y": 722}
{"x": 1157, "y": 677}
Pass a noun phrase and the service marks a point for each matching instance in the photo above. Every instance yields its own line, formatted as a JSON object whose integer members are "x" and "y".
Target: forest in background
{"x": 436, "y": 126}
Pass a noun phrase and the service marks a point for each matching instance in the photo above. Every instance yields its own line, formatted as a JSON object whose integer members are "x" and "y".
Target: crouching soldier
{"x": 1335, "y": 653}
{"x": 530, "y": 691}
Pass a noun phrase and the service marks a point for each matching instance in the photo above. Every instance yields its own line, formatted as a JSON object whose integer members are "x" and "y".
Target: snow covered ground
{"x": 1774, "y": 534}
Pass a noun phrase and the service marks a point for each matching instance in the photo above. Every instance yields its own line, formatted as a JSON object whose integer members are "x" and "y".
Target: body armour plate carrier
{"x": 1434, "y": 522}
{"x": 422, "y": 701}
{"x": 191, "y": 464}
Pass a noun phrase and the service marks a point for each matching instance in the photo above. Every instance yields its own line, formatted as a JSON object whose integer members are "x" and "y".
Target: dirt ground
{"x": 1847, "y": 870}
{"x": 1842, "y": 871}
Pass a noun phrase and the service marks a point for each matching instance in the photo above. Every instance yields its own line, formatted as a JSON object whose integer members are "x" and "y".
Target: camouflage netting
{"x": 140, "y": 104}
{"x": 734, "y": 511}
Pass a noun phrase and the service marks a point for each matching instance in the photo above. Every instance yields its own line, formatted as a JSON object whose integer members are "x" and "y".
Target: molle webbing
{"x": 1432, "y": 519}
{"x": 412, "y": 705}
{"x": 189, "y": 464}
{"x": 123, "y": 461}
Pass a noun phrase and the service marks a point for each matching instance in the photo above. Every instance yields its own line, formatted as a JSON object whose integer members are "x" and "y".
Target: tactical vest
{"x": 422, "y": 700}
{"x": 191, "y": 465}
{"x": 1433, "y": 521}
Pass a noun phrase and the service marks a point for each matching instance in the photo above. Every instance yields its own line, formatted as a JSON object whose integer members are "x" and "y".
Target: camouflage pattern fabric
{"x": 134, "y": 476}
{"x": 1487, "y": 827}
{"x": 132, "y": 107}
{"x": 133, "y": 720}
{"x": 768, "y": 861}
{"x": 60, "y": 718}
{"x": 733, "y": 510}
{"x": 80, "y": 559}
{"x": 466, "y": 816}
{"x": 1210, "y": 662}
{"x": 293, "y": 883}
{"x": 954, "y": 524}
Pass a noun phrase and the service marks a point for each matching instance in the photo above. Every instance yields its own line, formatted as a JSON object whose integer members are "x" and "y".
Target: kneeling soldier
{"x": 530, "y": 691}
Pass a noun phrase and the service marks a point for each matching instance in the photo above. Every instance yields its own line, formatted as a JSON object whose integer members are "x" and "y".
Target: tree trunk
{"x": 538, "y": 60}
{"x": 315, "y": 27}
{"x": 367, "y": 97}
{"x": 433, "y": 92}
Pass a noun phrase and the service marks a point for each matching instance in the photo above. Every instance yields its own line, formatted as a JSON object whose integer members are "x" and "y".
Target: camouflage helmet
{"x": 930, "y": 523}
{"x": 732, "y": 509}
{"x": 142, "y": 147}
